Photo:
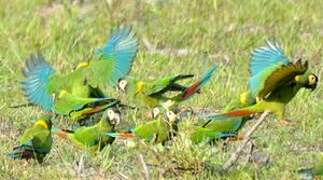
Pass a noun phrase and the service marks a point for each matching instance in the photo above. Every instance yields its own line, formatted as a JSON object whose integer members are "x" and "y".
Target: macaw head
{"x": 155, "y": 112}
{"x": 45, "y": 121}
{"x": 122, "y": 85}
{"x": 308, "y": 80}
{"x": 171, "y": 116}
{"x": 114, "y": 115}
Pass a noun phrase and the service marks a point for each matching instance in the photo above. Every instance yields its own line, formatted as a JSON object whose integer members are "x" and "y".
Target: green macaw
{"x": 94, "y": 137}
{"x": 153, "y": 93}
{"x": 36, "y": 142}
{"x": 157, "y": 131}
{"x": 63, "y": 93}
{"x": 231, "y": 125}
{"x": 224, "y": 128}
{"x": 315, "y": 171}
{"x": 274, "y": 82}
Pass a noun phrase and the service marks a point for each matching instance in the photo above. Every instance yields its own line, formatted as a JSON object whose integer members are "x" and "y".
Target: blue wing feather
{"x": 121, "y": 48}
{"x": 263, "y": 61}
{"x": 37, "y": 73}
{"x": 207, "y": 75}
{"x": 262, "y": 58}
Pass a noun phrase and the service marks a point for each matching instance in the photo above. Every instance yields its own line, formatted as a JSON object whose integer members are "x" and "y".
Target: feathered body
{"x": 155, "y": 93}
{"x": 36, "y": 142}
{"x": 156, "y": 131}
{"x": 273, "y": 83}
{"x": 94, "y": 137}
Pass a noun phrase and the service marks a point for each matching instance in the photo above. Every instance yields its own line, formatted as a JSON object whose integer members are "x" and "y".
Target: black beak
{"x": 311, "y": 87}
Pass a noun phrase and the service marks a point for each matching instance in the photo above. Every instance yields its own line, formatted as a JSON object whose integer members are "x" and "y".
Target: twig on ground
{"x": 122, "y": 175}
{"x": 80, "y": 166}
{"x": 145, "y": 169}
{"x": 235, "y": 156}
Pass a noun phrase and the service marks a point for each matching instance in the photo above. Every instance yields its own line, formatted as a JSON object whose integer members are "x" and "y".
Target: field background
{"x": 185, "y": 36}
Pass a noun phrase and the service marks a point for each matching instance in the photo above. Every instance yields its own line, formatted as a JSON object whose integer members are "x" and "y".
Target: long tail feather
{"x": 62, "y": 133}
{"x": 101, "y": 108}
{"x": 195, "y": 87}
{"x": 182, "y": 77}
{"x": 21, "y": 152}
{"x": 123, "y": 135}
{"x": 236, "y": 113}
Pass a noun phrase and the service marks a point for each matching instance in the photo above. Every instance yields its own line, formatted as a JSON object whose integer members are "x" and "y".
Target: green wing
{"x": 67, "y": 102}
{"x": 231, "y": 124}
{"x": 94, "y": 135}
{"x": 87, "y": 136}
{"x": 281, "y": 76}
{"x": 160, "y": 86}
{"x": 201, "y": 134}
{"x": 116, "y": 59}
{"x": 35, "y": 131}
{"x": 263, "y": 61}
{"x": 154, "y": 129}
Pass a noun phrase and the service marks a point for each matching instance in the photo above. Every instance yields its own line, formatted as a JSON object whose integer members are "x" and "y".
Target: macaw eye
{"x": 312, "y": 79}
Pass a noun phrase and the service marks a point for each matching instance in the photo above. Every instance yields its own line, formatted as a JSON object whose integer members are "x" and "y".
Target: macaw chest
{"x": 42, "y": 145}
{"x": 156, "y": 131}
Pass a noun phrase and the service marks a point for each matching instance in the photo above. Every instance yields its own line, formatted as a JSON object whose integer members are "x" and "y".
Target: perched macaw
{"x": 94, "y": 137}
{"x": 154, "y": 93}
{"x": 274, "y": 82}
{"x": 315, "y": 171}
{"x": 62, "y": 94}
{"x": 36, "y": 142}
{"x": 159, "y": 130}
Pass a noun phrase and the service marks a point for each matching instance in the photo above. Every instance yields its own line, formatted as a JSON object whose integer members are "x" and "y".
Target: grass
{"x": 218, "y": 31}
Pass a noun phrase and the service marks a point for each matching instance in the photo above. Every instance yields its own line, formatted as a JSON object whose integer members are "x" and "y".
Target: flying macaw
{"x": 153, "y": 93}
{"x": 94, "y": 137}
{"x": 156, "y": 131}
{"x": 63, "y": 93}
{"x": 274, "y": 82}
{"x": 315, "y": 171}
{"x": 36, "y": 142}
